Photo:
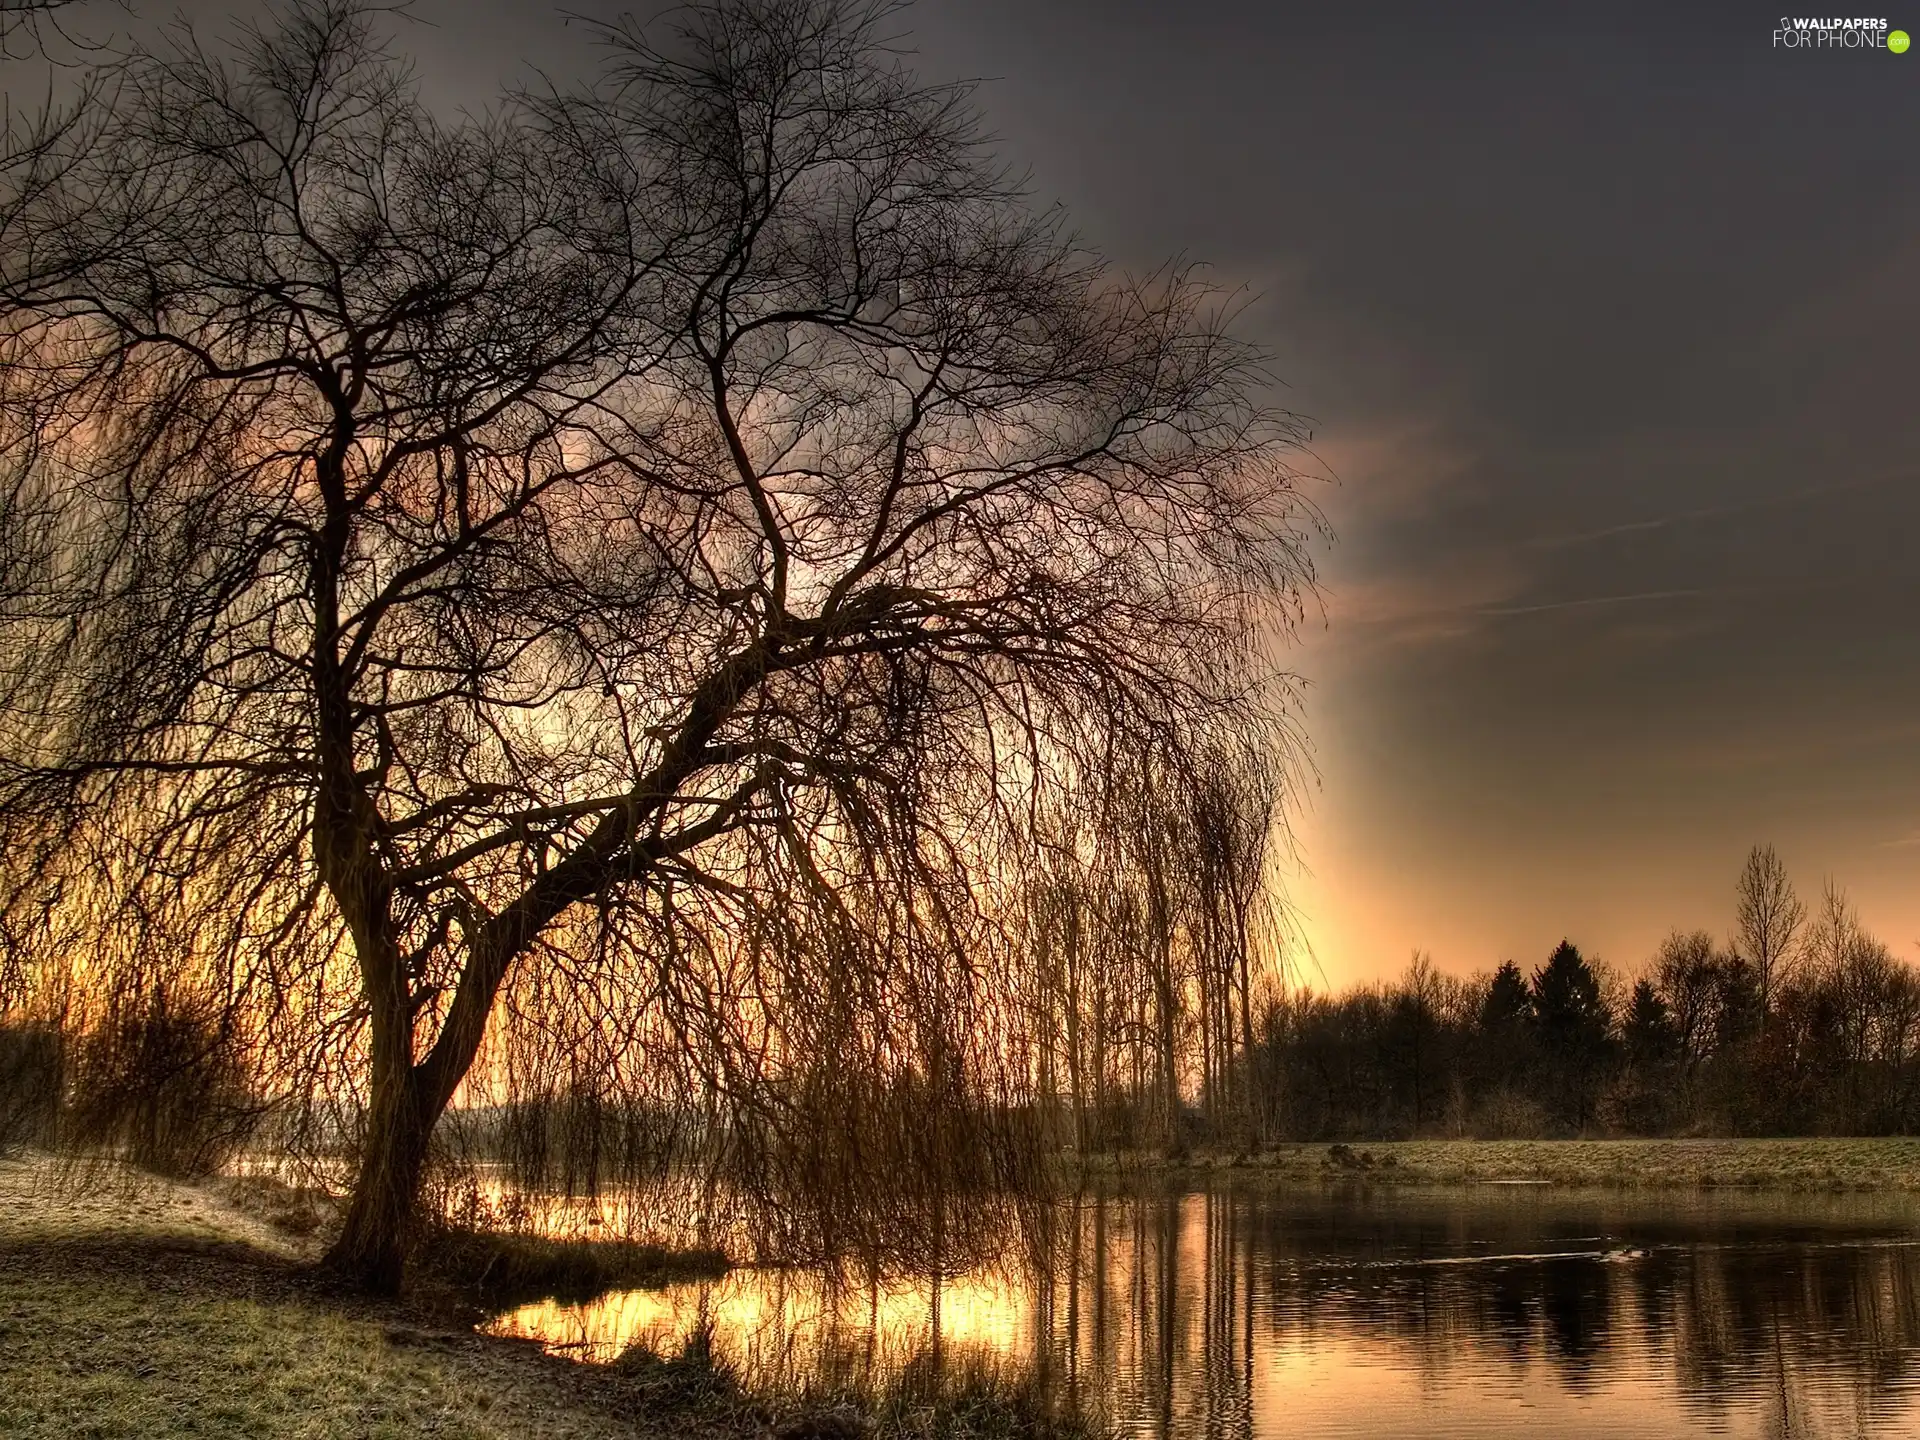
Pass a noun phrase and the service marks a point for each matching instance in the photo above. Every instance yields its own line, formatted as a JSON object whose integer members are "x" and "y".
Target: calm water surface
{"x": 1501, "y": 1311}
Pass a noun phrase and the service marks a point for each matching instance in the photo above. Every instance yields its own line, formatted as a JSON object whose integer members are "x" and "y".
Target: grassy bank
{"x": 142, "y": 1308}
{"x": 1888, "y": 1164}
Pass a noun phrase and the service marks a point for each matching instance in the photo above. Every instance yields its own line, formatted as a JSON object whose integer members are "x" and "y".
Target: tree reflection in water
{"x": 1267, "y": 1313}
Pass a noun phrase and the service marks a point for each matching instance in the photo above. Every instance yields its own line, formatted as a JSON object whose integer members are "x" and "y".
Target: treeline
{"x": 1795, "y": 1024}
{"x": 1153, "y": 1026}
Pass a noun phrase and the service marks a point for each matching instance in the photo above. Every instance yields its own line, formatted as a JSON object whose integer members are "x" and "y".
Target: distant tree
{"x": 1767, "y": 919}
{"x": 1680, "y": 1048}
{"x": 1502, "y": 1047}
{"x": 1508, "y": 1002}
{"x": 1739, "y": 1008}
{"x": 1647, "y": 1035}
{"x": 1642, "y": 1098}
{"x": 1414, "y": 1036}
{"x": 1573, "y": 1028}
{"x": 1713, "y": 998}
{"x": 1687, "y": 972}
{"x": 1857, "y": 1023}
{"x": 1835, "y": 935}
{"x": 1327, "y": 1055}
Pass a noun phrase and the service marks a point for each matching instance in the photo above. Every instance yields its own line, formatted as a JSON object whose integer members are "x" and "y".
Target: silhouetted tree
{"x": 1647, "y": 1035}
{"x": 1690, "y": 974}
{"x": 1573, "y": 1030}
{"x": 1413, "y": 1037}
{"x": 615, "y": 579}
{"x": 1767, "y": 919}
{"x": 1839, "y": 1053}
{"x": 1649, "y": 1049}
{"x": 1503, "y": 1050}
{"x": 1852, "y": 1013}
{"x": 1508, "y": 1002}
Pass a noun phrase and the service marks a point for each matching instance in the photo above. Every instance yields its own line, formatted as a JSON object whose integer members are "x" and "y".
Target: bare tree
{"x": 1766, "y": 920}
{"x": 1835, "y": 933}
{"x": 27, "y": 25}
{"x": 1416, "y": 1009}
{"x": 1710, "y": 997}
{"x": 615, "y": 577}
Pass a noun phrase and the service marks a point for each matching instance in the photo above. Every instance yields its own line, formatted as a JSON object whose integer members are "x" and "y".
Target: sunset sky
{"x": 1608, "y": 321}
{"x": 1610, "y": 328}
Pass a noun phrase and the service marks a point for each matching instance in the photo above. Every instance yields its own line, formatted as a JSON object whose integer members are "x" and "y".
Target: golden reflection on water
{"x": 1309, "y": 1314}
{"x": 776, "y": 1324}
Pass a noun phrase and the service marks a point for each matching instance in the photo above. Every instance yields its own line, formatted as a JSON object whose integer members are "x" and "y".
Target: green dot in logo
{"x": 1897, "y": 41}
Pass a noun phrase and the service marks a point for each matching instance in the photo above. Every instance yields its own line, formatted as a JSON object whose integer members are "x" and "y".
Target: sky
{"x": 1609, "y": 326}
{"x": 1607, "y": 319}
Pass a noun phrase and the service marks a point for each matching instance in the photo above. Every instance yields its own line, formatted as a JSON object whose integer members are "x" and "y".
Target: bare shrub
{"x": 161, "y": 1081}
{"x": 1507, "y": 1114}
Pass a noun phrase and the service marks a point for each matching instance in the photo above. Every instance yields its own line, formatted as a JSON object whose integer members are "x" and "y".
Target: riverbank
{"x": 140, "y": 1307}
{"x": 1823, "y": 1164}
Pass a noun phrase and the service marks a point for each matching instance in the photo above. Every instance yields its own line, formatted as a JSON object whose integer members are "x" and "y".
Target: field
{"x": 1798, "y": 1164}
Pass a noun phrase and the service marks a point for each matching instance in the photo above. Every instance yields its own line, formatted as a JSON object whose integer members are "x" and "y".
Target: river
{"x": 1352, "y": 1311}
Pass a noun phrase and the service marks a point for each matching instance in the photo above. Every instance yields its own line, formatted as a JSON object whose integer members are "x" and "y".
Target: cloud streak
{"x": 1721, "y": 512}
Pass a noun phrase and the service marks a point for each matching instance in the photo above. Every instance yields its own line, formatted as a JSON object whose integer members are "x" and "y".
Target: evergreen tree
{"x": 1508, "y": 1004}
{"x": 1505, "y": 1049}
{"x": 1573, "y": 1030}
{"x": 1647, "y": 1034}
{"x": 1650, "y": 1045}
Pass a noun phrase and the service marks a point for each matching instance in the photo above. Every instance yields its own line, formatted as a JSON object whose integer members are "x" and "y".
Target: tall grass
{"x": 977, "y": 1397}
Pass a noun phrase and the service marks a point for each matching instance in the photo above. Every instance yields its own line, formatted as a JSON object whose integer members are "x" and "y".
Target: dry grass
{"x": 42, "y": 1199}
{"x": 137, "y": 1307}
{"x": 1886, "y": 1164}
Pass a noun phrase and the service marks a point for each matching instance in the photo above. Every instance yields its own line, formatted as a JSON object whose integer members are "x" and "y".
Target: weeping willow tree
{"x": 598, "y": 599}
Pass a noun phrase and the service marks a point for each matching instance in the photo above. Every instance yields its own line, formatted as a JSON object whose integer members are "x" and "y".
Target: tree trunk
{"x": 377, "y": 1237}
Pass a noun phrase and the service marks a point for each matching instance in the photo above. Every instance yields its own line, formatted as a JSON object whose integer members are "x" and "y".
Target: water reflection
{"x": 1322, "y": 1313}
